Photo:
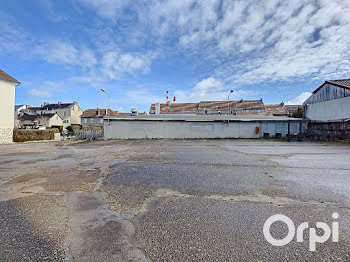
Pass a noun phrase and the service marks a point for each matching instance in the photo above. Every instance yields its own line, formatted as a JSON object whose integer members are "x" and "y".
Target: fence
{"x": 88, "y": 134}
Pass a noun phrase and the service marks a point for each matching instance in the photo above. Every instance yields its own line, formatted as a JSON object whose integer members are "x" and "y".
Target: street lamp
{"x": 109, "y": 102}
{"x": 228, "y": 101}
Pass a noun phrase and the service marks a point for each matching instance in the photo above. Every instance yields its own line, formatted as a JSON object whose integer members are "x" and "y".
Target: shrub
{"x": 23, "y": 135}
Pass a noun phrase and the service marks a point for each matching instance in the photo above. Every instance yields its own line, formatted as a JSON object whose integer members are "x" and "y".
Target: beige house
{"x": 43, "y": 120}
{"x": 69, "y": 112}
{"x": 95, "y": 117}
{"x": 7, "y": 103}
{"x": 49, "y": 120}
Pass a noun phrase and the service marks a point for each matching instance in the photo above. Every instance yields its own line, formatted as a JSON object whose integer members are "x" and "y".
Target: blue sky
{"x": 197, "y": 50}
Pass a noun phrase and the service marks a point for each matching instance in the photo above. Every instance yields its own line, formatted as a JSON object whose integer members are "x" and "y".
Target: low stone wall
{"x": 23, "y": 135}
{"x": 338, "y": 130}
{"x": 6, "y": 135}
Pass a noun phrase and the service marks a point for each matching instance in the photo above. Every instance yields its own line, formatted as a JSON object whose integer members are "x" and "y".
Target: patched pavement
{"x": 170, "y": 200}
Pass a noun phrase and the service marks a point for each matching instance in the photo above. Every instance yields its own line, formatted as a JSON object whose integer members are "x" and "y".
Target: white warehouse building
{"x": 329, "y": 102}
{"x": 200, "y": 126}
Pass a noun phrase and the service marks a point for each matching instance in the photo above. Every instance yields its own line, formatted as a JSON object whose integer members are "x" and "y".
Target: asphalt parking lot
{"x": 170, "y": 200}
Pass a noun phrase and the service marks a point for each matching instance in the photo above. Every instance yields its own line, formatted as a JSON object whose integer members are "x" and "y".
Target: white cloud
{"x": 49, "y": 8}
{"x": 109, "y": 9}
{"x": 115, "y": 64}
{"x": 206, "y": 87}
{"x": 45, "y": 91}
{"x": 247, "y": 41}
{"x": 299, "y": 100}
{"x": 211, "y": 89}
{"x": 39, "y": 93}
{"x": 65, "y": 53}
{"x": 59, "y": 52}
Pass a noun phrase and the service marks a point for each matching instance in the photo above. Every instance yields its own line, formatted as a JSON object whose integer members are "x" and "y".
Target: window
{"x": 101, "y": 121}
{"x": 84, "y": 120}
{"x": 91, "y": 120}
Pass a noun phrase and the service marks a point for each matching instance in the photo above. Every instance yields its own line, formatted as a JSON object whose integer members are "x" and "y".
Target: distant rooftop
{"x": 204, "y": 118}
{"x": 276, "y": 109}
{"x": 98, "y": 112}
{"x": 56, "y": 106}
{"x": 196, "y": 108}
{"x": 342, "y": 82}
{"x": 101, "y": 112}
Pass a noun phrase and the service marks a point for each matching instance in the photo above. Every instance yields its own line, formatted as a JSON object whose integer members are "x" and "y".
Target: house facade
{"x": 329, "y": 102}
{"x": 19, "y": 110}
{"x": 95, "y": 116}
{"x": 7, "y": 103}
{"x": 50, "y": 120}
{"x": 40, "y": 120}
{"x": 69, "y": 112}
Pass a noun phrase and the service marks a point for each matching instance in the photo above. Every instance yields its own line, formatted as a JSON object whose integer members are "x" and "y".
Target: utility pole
{"x": 228, "y": 102}
{"x": 109, "y": 103}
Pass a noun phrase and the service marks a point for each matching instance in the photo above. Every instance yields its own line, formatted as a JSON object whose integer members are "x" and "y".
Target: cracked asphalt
{"x": 170, "y": 200}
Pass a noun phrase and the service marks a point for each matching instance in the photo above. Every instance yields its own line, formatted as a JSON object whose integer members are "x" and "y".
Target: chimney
{"x": 98, "y": 112}
{"x": 174, "y": 99}
{"x": 167, "y": 97}
{"x": 75, "y": 102}
{"x": 59, "y": 102}
{"x": 42, "y": 105}
{"x": 282, "y": 103}
{"x": 46, "y": 103}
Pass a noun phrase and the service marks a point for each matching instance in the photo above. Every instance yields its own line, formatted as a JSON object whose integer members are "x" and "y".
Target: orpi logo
{"x": 314, "y": 238}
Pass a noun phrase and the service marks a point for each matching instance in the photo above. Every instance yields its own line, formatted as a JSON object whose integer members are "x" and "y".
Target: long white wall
{"x": 335, "y": 109}
{"x": 133, "y": 129}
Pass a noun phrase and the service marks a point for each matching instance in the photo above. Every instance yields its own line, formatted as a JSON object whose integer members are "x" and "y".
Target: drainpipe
{"x": 288, "y": 130}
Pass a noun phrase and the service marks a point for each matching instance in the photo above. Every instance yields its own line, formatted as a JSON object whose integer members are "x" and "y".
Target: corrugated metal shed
{"x": 330, "y": 90}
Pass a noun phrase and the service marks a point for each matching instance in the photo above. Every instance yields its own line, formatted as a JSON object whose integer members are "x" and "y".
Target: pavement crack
{"x": 100, "y": 180}
{"x": 257, "y": 198}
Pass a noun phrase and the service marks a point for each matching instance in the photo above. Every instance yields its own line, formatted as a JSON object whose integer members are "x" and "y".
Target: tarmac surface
{"x": 170, "y": 200}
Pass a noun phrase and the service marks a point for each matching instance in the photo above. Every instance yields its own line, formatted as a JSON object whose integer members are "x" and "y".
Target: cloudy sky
{"x": 197, "y": 50}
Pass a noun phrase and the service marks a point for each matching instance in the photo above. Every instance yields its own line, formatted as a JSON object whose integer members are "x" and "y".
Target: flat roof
{"x": 201, "y": 118}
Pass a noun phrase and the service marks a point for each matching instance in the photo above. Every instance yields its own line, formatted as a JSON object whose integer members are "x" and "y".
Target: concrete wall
{"x": 7, "y": 104}
{"x": 335, "y": 109}
{"x": 325, "y": 131}
{"x": 135, "y": 129}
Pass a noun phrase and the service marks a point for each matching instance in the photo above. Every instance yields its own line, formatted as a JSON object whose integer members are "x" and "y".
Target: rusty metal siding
{"x": 326, "y": 93}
